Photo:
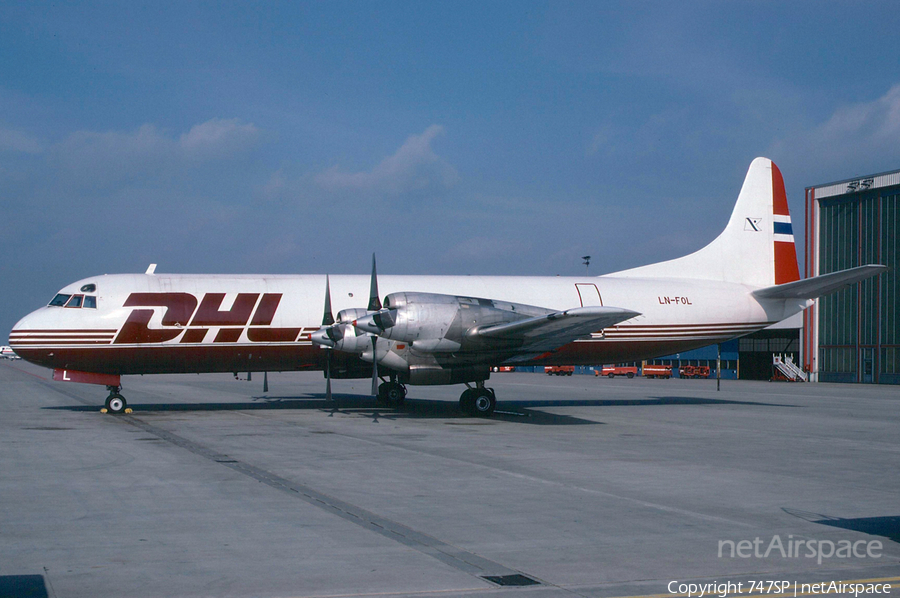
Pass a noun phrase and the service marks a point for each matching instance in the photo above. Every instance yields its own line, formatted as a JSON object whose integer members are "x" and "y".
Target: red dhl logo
{"x": 183, "y": 316}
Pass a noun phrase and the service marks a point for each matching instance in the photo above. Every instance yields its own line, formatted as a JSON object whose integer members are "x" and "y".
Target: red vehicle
{"x": 612, "y": 371}
{"x": 694, "y": 371}
{"x": 657, "y": 371}
{"x": 559, "y": 370}
{"x": 503, "y": 368}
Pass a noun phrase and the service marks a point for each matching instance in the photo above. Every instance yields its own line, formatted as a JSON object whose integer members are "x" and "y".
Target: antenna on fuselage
{"x": 151, "y": 269}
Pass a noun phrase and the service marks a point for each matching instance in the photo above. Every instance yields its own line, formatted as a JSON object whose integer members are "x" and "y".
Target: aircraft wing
{"x": 817, "y": 286}
{"x": 547, "y": 332}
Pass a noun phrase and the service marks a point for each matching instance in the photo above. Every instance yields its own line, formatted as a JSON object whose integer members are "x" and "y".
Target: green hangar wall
{"x": 854, "y": 334}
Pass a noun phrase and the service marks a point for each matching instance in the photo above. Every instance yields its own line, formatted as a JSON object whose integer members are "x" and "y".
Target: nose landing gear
{"x": 115, "y": 403}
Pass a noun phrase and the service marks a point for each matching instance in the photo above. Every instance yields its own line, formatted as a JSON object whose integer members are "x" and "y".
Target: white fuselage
{"x": 148, "y": 323}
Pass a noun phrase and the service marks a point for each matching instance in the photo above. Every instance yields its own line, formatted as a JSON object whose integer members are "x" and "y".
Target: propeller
{"x": 374, "y": 367}
{"x": 328, "y": 320}
{"x": 332, "y": 335}
{"x": 374, "y": 301}
{"x": 374, "y": 305}
{"x": 377, "y": 322}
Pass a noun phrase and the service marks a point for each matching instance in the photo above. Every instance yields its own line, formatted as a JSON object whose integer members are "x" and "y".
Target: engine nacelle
{"x": 436, "y": 323}
{"x": 343, "y": 335}
{"x": 352, "y": 340}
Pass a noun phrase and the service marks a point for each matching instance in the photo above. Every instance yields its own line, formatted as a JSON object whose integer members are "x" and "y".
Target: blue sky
{"x": 455, "y": 137}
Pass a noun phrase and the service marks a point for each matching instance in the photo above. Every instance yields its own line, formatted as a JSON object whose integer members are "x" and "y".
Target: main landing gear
{"x": 478, "y": 401}
{"x": 391, "y": 393}
{"x": 115, "y": 403}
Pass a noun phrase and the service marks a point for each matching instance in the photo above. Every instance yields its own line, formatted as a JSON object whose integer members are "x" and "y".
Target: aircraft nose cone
{"x": 29, "y": 322}
{"x": 24, "y": 331}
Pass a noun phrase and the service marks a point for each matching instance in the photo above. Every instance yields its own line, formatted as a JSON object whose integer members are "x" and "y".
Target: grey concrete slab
{"x": 590, "y": 486}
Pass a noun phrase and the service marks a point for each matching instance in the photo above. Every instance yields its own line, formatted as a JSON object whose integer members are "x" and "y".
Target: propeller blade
{"x": 328, "y": 333}
{"x": 327, "y": 318}
{"x": 328, "y": 376}
{"x": 374, "y": 367}
{"x": 374, "y": 301}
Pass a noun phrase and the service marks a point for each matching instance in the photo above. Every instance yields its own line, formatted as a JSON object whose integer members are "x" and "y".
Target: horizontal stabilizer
{"x": 558, "y": 328}
{"x": 818, "y": 286}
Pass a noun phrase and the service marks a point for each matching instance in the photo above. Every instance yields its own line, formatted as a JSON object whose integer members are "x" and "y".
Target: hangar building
{"x": 854, "y": 335}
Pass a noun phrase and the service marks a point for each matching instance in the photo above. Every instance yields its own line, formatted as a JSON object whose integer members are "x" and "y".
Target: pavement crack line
{"x": 448, "y": 554}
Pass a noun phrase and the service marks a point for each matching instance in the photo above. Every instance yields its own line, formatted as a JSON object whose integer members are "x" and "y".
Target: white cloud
{"x": 92, "y": 150}
{"x": 413, "y": 168}
{"x": 856, "y": 139}
{"x": 219, "y": 137}
{"x": 106, "y": 159}
{"x": 875, "y": 122}
{"x": 15, "y": 141}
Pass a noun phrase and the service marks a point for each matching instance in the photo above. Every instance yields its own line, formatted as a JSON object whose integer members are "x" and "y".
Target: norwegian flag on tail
{"x": 786, "y": 269}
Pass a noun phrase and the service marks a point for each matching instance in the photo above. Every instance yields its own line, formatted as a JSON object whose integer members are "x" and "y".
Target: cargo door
{"x": 589, "y": 294}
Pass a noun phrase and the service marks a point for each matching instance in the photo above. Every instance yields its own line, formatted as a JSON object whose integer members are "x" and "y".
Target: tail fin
{"x": 757, "y": 246}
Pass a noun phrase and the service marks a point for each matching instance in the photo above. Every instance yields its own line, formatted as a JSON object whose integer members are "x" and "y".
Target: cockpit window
{"x": 60, "y": 300}
{"x": 89, "y": 288}
{"x": 74, "y": 301}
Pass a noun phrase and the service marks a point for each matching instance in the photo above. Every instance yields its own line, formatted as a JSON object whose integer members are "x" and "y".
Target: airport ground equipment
{"x": 784, "y": 369}
{"x": 657, "y": 371}
{"x": 559, "y": 370}
{"x": 694, "y": 371}
{"x": 611, "y": 371}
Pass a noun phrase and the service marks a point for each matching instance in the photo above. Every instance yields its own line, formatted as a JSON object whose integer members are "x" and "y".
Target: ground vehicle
{"x": 503, "y": 368}
{"x": 612, "y": 371}
{"x": 559, "y": 370}
{"x": 657, "y": 371}
{"x": 694, "y": 371}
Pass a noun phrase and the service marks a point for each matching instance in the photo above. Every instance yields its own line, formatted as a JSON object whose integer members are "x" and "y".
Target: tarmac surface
{"x": 579, "y": 486}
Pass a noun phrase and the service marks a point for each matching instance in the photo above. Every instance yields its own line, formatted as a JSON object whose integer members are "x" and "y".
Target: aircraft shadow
{"x": 888, "y": 527}
{"x": 513, "y": 411}
{"x": 31, "y": 586}
{"x": 648, "y": 402}
{"x": 363, "y": 406}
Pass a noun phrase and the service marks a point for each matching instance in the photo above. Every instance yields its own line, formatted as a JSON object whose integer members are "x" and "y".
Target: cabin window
{"x": 90, "y": 301}
{"x": 75, "y": 301}
{"x": 60, "y": 300}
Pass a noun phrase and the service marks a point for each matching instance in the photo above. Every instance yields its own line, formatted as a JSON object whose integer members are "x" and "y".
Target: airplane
{"x": 431, "y": 329}
{"x": 6, "y": 352}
